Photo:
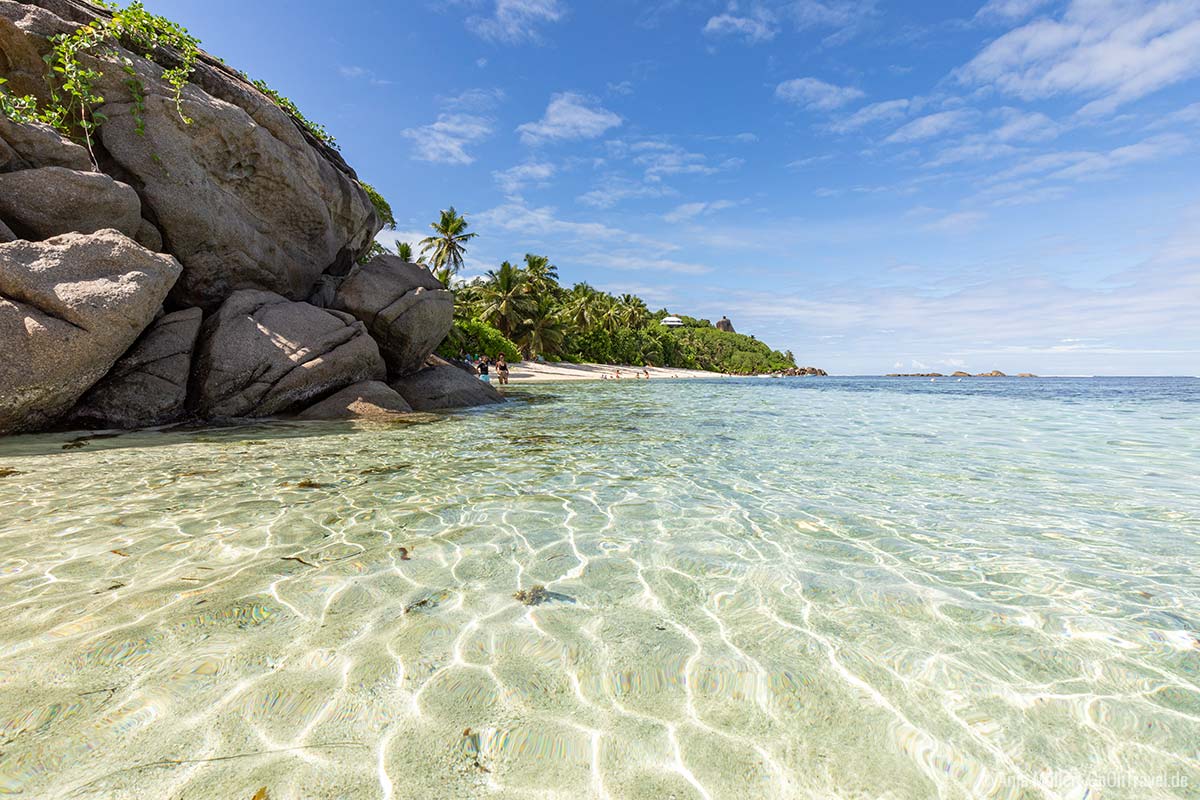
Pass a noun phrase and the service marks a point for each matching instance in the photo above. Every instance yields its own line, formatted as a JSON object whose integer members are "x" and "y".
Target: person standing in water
{"x": 483, "y": 370}
{"x": 502, "y": 369}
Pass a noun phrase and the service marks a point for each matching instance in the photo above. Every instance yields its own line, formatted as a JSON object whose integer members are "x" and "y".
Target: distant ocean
{"x": 807, "y": 587}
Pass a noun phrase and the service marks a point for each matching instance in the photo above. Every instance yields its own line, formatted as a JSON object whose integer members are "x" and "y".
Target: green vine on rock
{"x": 315, "y": 128}
{"x": 72, "y": 85}
{"x": 382, "y": 207}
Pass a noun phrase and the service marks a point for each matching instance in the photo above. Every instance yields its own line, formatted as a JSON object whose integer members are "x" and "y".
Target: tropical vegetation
{"x": 523, "y": 311}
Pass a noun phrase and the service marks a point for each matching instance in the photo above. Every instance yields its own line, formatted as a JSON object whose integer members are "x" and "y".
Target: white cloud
{"x": 1009, "y": 10}
{"x": 569, "y": 116}
{"x": 542, "y": 225}
{"x": 1114, "y": 51}
{"x": 847, "y": 16}
{"x": 1016, "y": 127}
{"x": 957, "y": 222}
{"x": 800, "y": 163}
{"x": 1188, "y": 115}
{"x": 1050, "y": 175}
{"x": 516, "y": 21}
{"x": 816, "y": 94}
{"x": 641, "y": 262}
{"x": 692, "y": 210}
{"x": 659, "y": 158}
{"x": 352, "y": 71}
{"x": 474, "y": 101}
{"x": 533, "y": 173}
{"x": 445, "y": 141}
{"x": 613, "y": 189}
{"x": 759, "y": 26}
{"x": 876, "y": 112}
{"x": 931, "y": 125}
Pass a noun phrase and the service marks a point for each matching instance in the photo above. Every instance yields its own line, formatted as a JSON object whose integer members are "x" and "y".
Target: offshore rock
{"x": 69, "y": 308}
{"x": 148, "y": 385}
{"x": 406, "y": 309}
{"x": 262, "y": 354}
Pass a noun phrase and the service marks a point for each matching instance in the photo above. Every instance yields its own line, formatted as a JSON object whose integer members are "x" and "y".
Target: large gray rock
{"x": 45, "y": 202}
{"x": 6, "y": 233}
{"x": 262, "y": 354}
{"x": 27, "y": 146}
{"x": 148, "y": 385}
{"x": 441, "y": 385}
{"x": 69, "y": 307}
{"x": 242, "y": 196}
{"x": 407, "y": 310}
{"x": 367, "y": 400}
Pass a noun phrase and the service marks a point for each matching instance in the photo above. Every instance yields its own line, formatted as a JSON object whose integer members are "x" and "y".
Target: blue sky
{"x": 877, "y": 186}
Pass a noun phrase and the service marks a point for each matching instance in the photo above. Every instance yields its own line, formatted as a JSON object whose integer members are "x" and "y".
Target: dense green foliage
{"x": 473, "y": 337}
{"x": 382, "y": 207}
{"x": 527, "y": 305}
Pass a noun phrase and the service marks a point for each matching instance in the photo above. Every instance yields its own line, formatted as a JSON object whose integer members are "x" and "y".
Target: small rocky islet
{"x": 196, "y": 262}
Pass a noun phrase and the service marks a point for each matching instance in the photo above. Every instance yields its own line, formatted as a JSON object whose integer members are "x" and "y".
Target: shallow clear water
{"x": 790, "y": 588}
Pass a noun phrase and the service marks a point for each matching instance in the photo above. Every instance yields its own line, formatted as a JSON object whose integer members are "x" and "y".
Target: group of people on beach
{"x": 616, "y": 376}
{"x": 483, "y": 366}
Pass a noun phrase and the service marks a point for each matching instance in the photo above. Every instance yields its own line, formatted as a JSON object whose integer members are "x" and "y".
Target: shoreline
{"x": 537, "y": 372}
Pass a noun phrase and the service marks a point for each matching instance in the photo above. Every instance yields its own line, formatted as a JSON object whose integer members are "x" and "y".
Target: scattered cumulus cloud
{"x": 446, "y": 140}
{"x": 760, "y": 25}
{"x": 688, "y": 211}
{"x": 569, "y": 115}
{"x": 1009, "y": 10}
{"x": 516, "y": 179}
{"x": 475, "y": 101}
{"x": 659, "y": 159}
{"x": 887, "y": 111}
{"x": 931, "y": 125}
{"x": 956, "y": 223}
{"x": 612, "y": 190}
{"x": 1112, "y": 51}
{"x": 812, "y": 93}
{"x": 516, "y": 21}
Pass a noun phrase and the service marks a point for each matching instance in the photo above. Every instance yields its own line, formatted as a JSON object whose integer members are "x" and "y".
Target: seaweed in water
{"x": 532, "y": 596}
{"x": 427, "y": 602}
{"x": 385, "y": 470}
{"x": 6, "y": 472}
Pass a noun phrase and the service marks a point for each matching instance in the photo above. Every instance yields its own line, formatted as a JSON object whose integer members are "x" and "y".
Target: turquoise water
{"x": 794, "y": 588}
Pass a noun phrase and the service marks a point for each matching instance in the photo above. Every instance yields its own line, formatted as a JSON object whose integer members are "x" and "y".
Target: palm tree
{"x": 404, "y": 251}
{"x": 611, "y": 316}
{"x": 447, "y": 245}
{"x": 504, "y": 299}
{"x": 583, "y": 307}
{"x": 542, "y": 331}
{"x": 634, "y": 312}
{"x": 543, "y": 276}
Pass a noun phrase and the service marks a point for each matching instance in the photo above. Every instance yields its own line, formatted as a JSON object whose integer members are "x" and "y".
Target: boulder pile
{"x": 196, "y": 262}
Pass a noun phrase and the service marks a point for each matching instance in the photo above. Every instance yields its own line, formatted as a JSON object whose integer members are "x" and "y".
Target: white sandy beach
{"x": 537, "y": 372}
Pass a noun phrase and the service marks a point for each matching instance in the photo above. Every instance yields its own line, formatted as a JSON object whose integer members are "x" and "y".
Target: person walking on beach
{"x": 483, "y": 370}
{"x": 502, "y": 369}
